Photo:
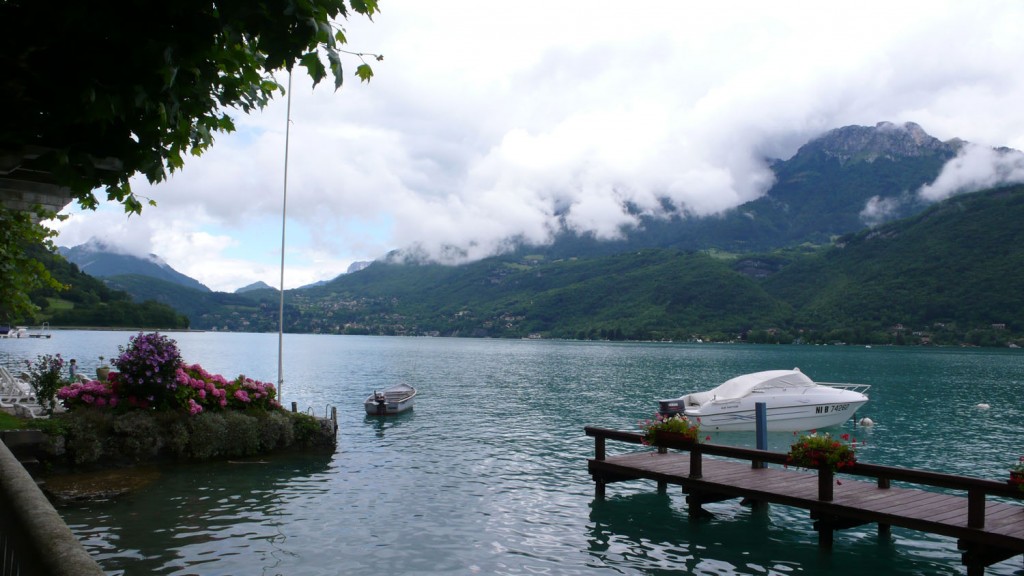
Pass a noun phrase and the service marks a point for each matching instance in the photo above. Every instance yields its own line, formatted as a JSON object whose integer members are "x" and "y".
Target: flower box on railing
{"x": 678, "y": 440}
{"x": 1017, "y": 477}
{"x": 671, "y": 431}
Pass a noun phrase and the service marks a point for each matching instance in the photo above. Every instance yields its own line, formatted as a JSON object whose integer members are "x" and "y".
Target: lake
{"x": 488, "y": 474}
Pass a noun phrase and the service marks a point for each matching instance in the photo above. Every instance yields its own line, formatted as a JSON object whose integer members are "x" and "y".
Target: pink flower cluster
{"x": 91, "y": 393}
{"x": 200, "y": 388}
{"x": 194, "y": 391}
{"x": 202, "y": 391}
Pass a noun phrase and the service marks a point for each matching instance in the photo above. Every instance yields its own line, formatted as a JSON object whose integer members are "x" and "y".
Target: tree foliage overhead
{"x": 94, "y": 92}
{"x": 20, "y": 271}
{"x": 134, "y": 86}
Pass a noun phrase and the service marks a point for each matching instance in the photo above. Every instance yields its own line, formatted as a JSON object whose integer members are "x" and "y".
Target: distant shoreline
{"x": 117, "y": 329}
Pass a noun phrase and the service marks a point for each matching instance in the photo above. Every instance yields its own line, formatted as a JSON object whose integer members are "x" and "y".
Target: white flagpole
{"x": 284, "y": 219}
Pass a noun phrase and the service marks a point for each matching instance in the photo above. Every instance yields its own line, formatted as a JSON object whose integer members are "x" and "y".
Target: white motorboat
{"x": 793, "y": 401}
{"x": 393, "y": 400}
{"x": 13, "y": 332}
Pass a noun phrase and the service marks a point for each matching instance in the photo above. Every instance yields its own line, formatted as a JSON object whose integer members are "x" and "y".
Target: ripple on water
{"x": 488, "y": 474}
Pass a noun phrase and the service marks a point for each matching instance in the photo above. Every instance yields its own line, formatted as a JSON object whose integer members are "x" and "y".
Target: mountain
{"x": 950, "y": 274}
{"x": 960, "y": 262}
{"x": 796, "y": 264}
{"x": 100, "y": 260}
{"x": 357, "y": 266}
{"x": 87, "y": 301}
{"x": 254, "y": 286}
{"x": 819, "y": 193}
{"x": 652, "y": 294}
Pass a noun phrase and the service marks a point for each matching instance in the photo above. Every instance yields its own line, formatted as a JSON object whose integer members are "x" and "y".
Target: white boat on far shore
{"x": 22, "y": 332}
{"x": 393, "y": 400}
{"x": 793, "y": 401}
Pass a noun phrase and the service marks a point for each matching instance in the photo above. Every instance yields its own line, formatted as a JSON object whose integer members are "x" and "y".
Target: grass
{"x": 59, "y": 304}
{"x": 10, "y": 422}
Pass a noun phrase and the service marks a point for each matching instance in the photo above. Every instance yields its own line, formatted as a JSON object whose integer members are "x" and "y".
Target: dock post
{"x": 975, "y": 508}
{"x": 761, "y": 431}
{"x": 696, "y": 464}
{"x": 884, "y": 530}
{"x": 826, "y": 533}
{"x": 825, "y": 480}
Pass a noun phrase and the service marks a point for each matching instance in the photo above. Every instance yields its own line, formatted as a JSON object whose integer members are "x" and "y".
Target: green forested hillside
{"x": 952, "y": 274}
{"x": 206, "y": 309}
{"x": 87, "y": 301}
{"x": 958, "y": 267}
{"x": 818, "y": 194}
{"x": 650, "y": 294}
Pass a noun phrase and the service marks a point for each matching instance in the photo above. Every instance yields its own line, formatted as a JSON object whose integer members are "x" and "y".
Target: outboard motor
{"x": 671, "y": 407}
{"x": 382, "y": 402}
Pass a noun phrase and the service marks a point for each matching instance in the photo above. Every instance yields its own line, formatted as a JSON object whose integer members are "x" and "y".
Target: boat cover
{"x": 741, "y": 386}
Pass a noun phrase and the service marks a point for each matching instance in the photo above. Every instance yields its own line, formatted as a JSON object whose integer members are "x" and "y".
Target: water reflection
{"x": 652, "y": 533}
{"x": 379, "y": 424}
{"x": 488, "y": 474}
{"x": 208, "y": 512}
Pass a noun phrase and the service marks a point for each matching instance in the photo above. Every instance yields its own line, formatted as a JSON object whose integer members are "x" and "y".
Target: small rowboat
{"x": 393, "y": 400}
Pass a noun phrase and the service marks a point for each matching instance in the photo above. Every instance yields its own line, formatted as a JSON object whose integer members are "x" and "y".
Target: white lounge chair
{"x": 14, "y": 390}
{"x": 30, "y": 411}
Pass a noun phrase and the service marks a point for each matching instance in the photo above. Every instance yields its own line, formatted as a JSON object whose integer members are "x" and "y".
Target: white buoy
{"x": 982, "y": 406}
{"x": 866, "y": 422}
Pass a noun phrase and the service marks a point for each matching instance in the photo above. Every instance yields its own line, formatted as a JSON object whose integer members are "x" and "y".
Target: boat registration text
{"x": 833, "y": 408}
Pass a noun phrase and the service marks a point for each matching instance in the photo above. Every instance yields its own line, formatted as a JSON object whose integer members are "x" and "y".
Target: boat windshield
{"x": 741, "y": 386}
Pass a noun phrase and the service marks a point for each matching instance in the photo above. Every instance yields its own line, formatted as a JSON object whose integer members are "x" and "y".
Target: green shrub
{"x": 175, "y": 433}
{"x": 275, "y": 430}
{"x": 45, "y": 375}
{"x": 91, "y": 435}
{"x": 206, "y": 434}
{"x": 305, "y": 427}
{"x": 135, "y": 436}
{"x": 242, "y": 438}
{"x": 87, "y": 432}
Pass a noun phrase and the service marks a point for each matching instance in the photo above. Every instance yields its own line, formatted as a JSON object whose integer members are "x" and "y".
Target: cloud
{"x": 975, "y": 168}
{"x": 878, "y": 210}
{"x": 490, "y": 121}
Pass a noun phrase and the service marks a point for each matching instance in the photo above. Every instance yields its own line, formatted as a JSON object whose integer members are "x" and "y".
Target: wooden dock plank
{"x": 894, "y": 499}
{"x": 913, "y": 508}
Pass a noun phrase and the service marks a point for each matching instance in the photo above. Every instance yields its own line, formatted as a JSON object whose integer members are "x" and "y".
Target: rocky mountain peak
{"x": 883, "y": 140}
{"x": 254, "y": 286}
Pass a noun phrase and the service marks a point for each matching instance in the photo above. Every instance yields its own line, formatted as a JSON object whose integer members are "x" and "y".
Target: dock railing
{"x": 977, "y": 489}
{"x": 33, "y": 538}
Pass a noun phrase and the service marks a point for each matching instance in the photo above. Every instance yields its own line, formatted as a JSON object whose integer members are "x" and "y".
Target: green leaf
{"x": 364, "y": 72}
{"x": 336, "y": 68}
{"x": 365, "y": 7}
{"x": 132, "y": 205}
{"x": 311, "y": 62}
{"x": 270, "y": 86}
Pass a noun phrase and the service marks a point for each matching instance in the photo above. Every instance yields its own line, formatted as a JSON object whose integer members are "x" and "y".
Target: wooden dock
{"x": 987, "y": 531}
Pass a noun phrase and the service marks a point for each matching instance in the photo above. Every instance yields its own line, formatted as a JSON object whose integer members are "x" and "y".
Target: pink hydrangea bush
{"x": 192, "y": 390}
{"x": 90, "y": 393}
{"x": 213, "y": 391}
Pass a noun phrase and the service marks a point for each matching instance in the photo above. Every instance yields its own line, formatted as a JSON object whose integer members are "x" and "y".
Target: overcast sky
{"x": 486, "y": 119}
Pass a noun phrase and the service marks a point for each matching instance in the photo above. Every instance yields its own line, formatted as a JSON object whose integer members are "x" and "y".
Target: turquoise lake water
{"x": 488, "y": 474}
